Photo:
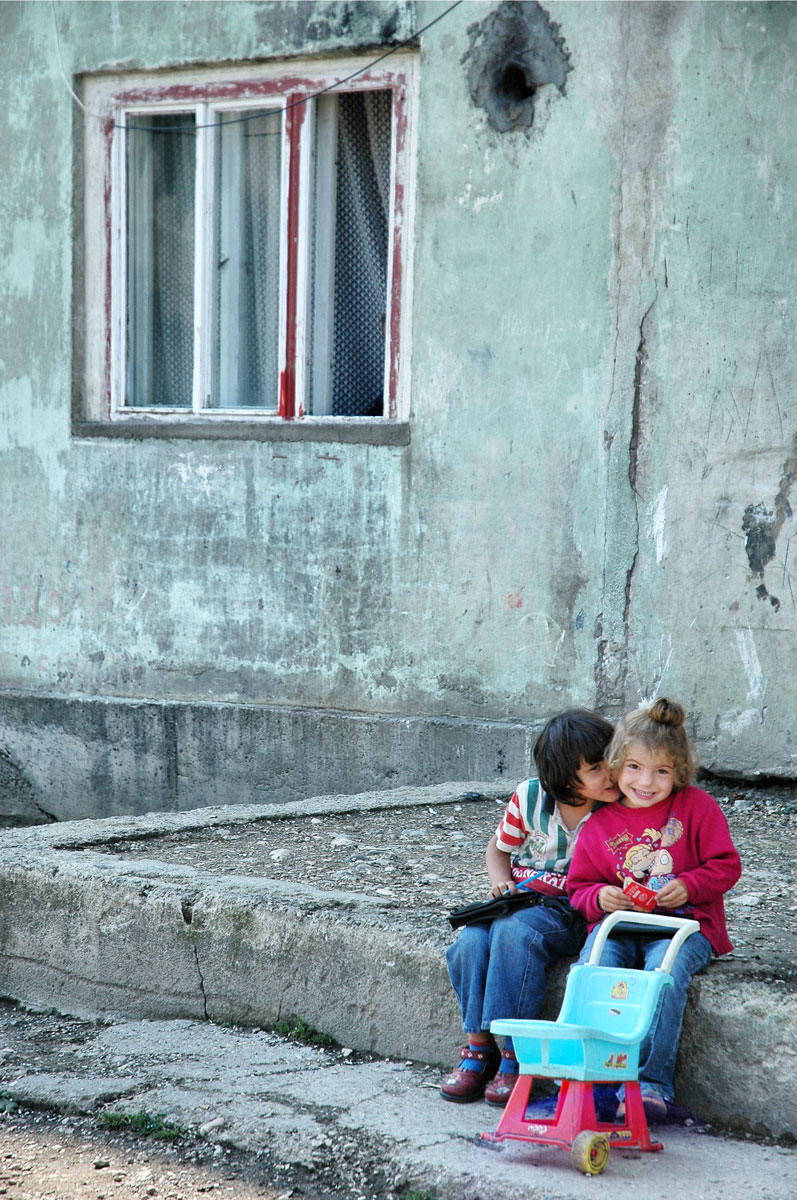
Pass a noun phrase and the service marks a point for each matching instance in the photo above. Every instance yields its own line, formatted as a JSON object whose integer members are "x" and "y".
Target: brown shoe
{"x": 462, "y": 1085}
{"x": 499, "y": 1089}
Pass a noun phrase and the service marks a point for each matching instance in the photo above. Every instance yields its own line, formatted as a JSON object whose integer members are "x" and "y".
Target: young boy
{"x": 498, "y": 968}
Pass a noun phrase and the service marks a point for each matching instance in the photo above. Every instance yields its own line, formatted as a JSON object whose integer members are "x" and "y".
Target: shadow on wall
{"x": 17, "y": 805}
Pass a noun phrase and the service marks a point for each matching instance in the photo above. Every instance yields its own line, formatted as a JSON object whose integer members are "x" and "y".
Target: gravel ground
{"x": 44, "y": 1156}
{"x": 426, "y": 861}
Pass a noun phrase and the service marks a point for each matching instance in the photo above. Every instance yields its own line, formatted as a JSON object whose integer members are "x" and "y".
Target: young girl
{"x": 673, "y": 839}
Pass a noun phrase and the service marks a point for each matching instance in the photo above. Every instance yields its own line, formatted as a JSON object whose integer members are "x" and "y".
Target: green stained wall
{"x": 591, "y": 504}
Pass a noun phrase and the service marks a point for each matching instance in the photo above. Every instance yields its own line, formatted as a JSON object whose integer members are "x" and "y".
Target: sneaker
{"x": 463, "y": 1084}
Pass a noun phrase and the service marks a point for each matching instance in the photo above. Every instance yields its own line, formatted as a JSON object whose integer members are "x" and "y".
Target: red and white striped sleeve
{"x": 513, "y": 828}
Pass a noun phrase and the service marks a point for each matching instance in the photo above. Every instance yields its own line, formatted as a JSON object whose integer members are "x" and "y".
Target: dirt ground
{"x": 44, "y": 1156}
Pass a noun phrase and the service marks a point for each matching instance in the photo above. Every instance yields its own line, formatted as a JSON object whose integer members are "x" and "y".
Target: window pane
{"x": 247, "y": 261}
{"x": 160, "y": 260}
{"x": 350, "y": 253}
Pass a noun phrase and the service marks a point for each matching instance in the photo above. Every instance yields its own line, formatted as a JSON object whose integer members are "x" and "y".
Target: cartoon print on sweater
{"x": 648, "y": 860}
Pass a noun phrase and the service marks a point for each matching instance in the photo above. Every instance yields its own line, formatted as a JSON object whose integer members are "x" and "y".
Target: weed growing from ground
{"x": 144, "y": 1123}
{"x": 298, "y": 1030}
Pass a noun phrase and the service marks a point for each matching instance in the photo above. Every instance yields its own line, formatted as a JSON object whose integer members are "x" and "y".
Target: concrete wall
{"x": 590, "y": 503}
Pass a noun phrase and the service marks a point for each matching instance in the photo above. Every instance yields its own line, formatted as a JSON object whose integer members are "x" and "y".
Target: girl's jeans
{"x": 660, "y": 1046}
{"x": 497, "y": 968}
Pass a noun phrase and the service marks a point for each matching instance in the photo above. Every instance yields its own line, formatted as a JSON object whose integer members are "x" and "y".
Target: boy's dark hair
{"x": 570, "y": 739}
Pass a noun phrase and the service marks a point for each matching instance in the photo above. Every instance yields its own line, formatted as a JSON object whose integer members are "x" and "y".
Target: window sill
{"x": 369, "y": 432}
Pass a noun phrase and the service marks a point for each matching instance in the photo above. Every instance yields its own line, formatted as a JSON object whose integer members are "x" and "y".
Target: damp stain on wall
{"x": 761, "y": 525}
{"x": 514, "y": 52}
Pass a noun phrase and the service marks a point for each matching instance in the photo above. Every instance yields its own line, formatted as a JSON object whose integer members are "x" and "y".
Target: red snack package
{"x": 643, "y": 897}
{"x": 549, "y": 883}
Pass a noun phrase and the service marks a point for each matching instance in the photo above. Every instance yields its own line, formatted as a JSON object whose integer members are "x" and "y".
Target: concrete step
{"x": 102, "y": 918}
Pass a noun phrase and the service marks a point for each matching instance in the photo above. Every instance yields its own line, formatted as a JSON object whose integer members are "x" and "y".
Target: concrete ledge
{"x": 71, "y": 758}
{"x": 86, "y": 934}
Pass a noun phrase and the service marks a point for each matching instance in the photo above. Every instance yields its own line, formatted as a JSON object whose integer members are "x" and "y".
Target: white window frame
{"x": 113, "y": 100}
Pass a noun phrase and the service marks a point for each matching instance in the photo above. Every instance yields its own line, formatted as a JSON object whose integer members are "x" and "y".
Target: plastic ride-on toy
{"x": 605, "y": 1014}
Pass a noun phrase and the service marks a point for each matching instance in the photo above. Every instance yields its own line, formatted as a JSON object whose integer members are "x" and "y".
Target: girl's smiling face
{"x": 645, "y": 778}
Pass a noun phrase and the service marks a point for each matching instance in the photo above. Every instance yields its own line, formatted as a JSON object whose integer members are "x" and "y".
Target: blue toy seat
{"x": 605, "y": 1014}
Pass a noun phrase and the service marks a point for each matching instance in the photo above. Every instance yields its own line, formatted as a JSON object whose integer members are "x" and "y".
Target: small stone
{"x": 209, "y": 1126}
{"x": 99, "y": 1163}
{"x": 342, "y": 839}
{"x": 749, "y": 899}
{"x": 278, "y": 855}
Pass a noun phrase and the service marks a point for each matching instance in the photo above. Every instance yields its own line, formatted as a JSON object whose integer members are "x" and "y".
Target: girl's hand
{"x": 613, "y": 899}
{"x": 673, "y": 895}
{"x": 506, "y": 887}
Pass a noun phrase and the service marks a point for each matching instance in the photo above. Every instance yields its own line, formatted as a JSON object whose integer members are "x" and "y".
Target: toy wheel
{"x": 590, "y": 1152}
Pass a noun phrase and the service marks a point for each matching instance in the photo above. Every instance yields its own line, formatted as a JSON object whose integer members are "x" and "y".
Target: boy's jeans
{"x": 660, "y": 1047}
{"x": 497, "y": 968}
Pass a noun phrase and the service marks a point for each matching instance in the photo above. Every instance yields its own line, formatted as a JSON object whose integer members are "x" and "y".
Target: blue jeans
{"x": 660, "y": 1047}
{"x": 497, "y": 968}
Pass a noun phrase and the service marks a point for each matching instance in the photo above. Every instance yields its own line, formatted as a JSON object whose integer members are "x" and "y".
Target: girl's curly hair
{"x": 659, "y": 727}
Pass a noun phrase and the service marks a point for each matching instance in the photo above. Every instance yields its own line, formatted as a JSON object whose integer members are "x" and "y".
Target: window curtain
{"x": 161, "y": 157}
{"x": 361, "y": 252}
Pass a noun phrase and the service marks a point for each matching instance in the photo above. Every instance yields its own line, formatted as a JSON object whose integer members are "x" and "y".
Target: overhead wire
{"x": 249, "y": 116}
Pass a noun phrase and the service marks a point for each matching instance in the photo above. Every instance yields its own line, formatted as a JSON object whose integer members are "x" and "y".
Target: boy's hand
{"x": 506, "y": 887}
{"x": 673, "y": 895}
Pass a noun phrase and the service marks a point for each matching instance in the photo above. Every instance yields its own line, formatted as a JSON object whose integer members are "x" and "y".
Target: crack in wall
{"x": 611, "y": 670}
{"x": 640, "y": 373}
{"x": 644, "y": 87}
{"x": 202, "y": 991}
{"x": 187, "y": 911}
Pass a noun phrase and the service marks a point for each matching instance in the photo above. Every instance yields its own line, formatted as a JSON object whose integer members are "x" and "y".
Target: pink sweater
{"x": 685, "y": 836}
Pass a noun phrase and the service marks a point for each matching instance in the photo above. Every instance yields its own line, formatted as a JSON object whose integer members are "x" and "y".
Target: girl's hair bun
{"x": 667, "y": 712}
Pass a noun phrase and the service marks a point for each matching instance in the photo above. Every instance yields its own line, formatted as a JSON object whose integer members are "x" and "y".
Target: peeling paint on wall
{"x": 740, "y": 719}
{"x": 761, "y": 526}
{"x": 659, "y": 522}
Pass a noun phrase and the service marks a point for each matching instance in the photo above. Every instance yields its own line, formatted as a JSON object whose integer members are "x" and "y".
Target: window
{"x": 245, "y": 253}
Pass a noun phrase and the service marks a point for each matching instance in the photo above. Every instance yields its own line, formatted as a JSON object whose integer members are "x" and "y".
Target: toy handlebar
{"x": 682, "y": 926}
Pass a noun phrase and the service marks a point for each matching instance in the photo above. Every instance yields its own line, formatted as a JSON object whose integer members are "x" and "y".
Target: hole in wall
{"x": 514, "y": 82}
{"x": 514, "y": 53}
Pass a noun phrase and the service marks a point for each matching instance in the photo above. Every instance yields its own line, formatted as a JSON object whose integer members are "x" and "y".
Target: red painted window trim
{"x": 295, "y": 118}
{"x": 294, "y": 89}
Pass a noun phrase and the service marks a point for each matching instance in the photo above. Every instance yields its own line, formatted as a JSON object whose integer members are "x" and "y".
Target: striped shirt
{"x": 532, "y": 831}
